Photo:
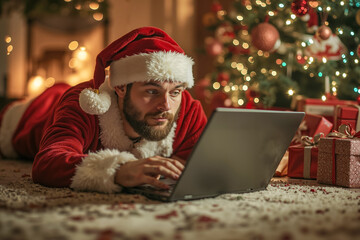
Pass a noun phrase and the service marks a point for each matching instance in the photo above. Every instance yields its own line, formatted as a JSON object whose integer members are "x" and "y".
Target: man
{"x": 124, "y": 130}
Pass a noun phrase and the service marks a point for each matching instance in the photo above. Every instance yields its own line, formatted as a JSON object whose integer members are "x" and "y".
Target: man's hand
{"x": 148, "y": 171}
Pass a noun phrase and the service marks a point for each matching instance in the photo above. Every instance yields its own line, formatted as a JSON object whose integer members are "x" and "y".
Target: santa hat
{"x": 142, "y": 55}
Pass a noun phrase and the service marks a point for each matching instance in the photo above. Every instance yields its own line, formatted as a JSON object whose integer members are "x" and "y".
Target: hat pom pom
{"x": 94, "y": 103}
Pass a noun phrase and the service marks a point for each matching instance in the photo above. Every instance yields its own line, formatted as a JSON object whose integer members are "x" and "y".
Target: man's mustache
{"x": 166, "y": 115}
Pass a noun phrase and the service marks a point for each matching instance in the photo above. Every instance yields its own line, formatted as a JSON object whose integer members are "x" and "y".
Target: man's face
{"x": 151, "y": 108}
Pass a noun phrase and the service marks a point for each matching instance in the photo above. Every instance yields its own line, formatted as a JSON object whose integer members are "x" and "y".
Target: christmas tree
{"x": 266, "y": 52}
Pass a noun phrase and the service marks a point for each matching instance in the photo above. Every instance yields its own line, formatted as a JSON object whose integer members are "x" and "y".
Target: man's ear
{"x": 120, "y": 90}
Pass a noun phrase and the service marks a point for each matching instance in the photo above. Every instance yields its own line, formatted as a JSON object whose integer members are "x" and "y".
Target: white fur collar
{"x": 113, "y": 136}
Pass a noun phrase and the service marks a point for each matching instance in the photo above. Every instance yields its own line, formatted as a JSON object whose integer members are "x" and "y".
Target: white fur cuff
{"x": 97, "y": 171}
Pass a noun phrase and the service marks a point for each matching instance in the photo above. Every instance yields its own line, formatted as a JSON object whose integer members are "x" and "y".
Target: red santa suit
{"x": 77, "y": 138}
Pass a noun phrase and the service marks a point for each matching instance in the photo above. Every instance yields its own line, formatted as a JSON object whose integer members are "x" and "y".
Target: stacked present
{"x": 303, "y": 158}
{"x": 347, "y": 114}
{"x": 303, "y": 152}
{"x": 339, "y": 158}
{"x": 319, "y": 107}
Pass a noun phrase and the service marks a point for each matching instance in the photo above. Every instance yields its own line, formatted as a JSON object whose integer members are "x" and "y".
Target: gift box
{"x": 311, "y": 126}
{"x": 303, "y": 161}
{"x": 320, "y": 107}
{"x": 347, "y": 114}
{"x": 339, "y": 161}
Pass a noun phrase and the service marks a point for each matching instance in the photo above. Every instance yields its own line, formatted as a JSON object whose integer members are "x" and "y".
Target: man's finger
{"x": 154, "y": 182}
{"x": 154, "y": 170}
{"x": 167, "y": 163}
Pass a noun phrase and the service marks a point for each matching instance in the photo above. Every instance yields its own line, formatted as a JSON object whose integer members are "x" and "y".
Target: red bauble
{"x": 264, "y": 36}
{"x": 358, "y": 99}
{"x": 216, "y": 7}
{"x": 324, "y": 32}
{"x": 358, "y": 50}
{"x": 300, "y": 7}
{"x": 223, "y": 76}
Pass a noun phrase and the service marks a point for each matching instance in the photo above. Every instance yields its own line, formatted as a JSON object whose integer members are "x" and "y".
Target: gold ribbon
{"x": 311, "y": 141}
{"x": 344, "y": 131}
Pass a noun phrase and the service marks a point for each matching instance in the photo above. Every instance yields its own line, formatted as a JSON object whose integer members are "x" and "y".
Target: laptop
{"x": 238, "y": 152}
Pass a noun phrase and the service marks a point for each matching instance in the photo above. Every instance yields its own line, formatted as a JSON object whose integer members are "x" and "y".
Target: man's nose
{"x": 164, "y": 104}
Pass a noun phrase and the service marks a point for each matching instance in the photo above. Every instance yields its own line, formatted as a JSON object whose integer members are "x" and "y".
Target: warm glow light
{"x": 81, "y": 54}
{"x": 216, "y": 85}
{"x": 7, "y": 39}
{"x": 240, "y": 18}
{"x": 291, "y": 92}
{"x": 256, "y": 100}
{"x": 73, "y": 45}
{"x": 245, "y": 87}
{"x": 323, "y": 97}
{"x": 236, "y": 42}
{"x": 9, "y": 48}
{"x": 94, "y": 6}
{"x": 241, "y": 102}
{"x": 73, "y": 63}
{"x": 36, "y": 86}
{"x": 49, "y": 82}
{"x": 67, "y": 0}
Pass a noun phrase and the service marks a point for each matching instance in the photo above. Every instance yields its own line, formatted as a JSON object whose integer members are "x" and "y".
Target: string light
{"x": 73, "y": 45}
{"x": 241, "y": 102}
{"x": 98, "y": 16}
{"x": 291, "y": 92}
{"x": 94, "y": 6}
{"x": 323, "y": 97}
{"x": 216, "y": 85}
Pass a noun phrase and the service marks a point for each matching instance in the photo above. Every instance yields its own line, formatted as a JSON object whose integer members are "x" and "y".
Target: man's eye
{"x": 152, "y": 91}
{"x": 175, "y": 93}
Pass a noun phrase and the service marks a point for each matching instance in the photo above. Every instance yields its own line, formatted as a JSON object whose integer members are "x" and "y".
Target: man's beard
{"x": 151, "y": 133}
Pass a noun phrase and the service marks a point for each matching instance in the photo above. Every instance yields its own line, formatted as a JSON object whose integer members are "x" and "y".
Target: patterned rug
{"x": 288, "y": 209}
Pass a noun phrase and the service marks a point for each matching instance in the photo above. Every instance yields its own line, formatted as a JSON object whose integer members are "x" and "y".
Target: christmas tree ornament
{"x": 324, "y": 32}
{"x": 225, "y": 33}
{"x": 216, "y": 6}
{"x": 358, "y": 17}
{"x": 300, "y": 7}
{"x": 358, "y": 50}
{"x": 223, "y": 78}
{"x": 213, "y": 47}
{"x": 265, "y": 36}
{"x": 358, "y": 99}
{"x": 331, "y": 49}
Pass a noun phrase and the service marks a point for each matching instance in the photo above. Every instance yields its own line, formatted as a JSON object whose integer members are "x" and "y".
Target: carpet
{"x": 288, "y": 209}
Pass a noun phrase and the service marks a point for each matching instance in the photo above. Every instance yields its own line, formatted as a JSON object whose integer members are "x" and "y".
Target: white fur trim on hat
{"x": 97, "y": 171}
{"x": 157, "y": 66}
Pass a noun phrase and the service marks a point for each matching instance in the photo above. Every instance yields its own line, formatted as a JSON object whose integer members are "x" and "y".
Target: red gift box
{"x": 347, "y": 114}
{"x": 320, "y": 107}
{"x": 303, "y": 161}
{"x": 311, "y": 126}
{"x": 339, "y": 162}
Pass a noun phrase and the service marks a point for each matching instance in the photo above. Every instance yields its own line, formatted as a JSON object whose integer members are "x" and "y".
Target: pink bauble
{"x": 264, "y": 36}
{"x": 214, "y": 48}
{"x": 324, "y": 32}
